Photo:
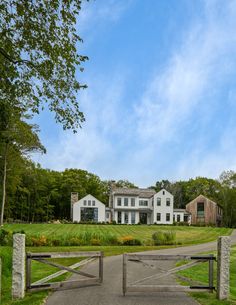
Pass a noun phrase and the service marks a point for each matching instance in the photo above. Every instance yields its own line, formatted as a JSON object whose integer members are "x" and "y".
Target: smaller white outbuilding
{"x": 88, "y": 209}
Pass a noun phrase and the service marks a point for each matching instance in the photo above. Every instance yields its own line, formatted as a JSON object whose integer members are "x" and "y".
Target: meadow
{"x": 62, "y": 232}
{"x": 92, "y": 234}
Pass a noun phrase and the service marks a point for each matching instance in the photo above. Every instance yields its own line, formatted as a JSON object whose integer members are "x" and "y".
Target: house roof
{"x": 181, "y": 211}
{"x": 142, "y": 193}
{"x": 202, "y": 197}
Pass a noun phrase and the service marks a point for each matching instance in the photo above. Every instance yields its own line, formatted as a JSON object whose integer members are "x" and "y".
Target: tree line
{"x": 35, "y": 194}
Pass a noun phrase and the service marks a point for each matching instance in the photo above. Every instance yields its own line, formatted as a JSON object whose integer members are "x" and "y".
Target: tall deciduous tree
{"x": 17, "y": 138}
{"x": 39, "y": 58}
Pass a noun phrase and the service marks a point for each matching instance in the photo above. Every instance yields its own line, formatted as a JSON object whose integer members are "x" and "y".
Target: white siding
{"x": 80, "y": 204}
{"x": 180, "y": 214}
{"x": 163, "y": 209}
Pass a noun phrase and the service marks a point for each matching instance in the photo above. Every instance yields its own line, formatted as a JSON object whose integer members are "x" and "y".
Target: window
{"x": 132, "y": 218}
{"x": 89, "y": 202}
{"x": 143, "y": 203}
{"x": 163, "y": 192}
{"x": 132, "y": 202}
{"x": 158, "y": 201}
{"x": 93, "y": 203}
{"x": 85, "y": 202}
{"x": 126, "y": 201}
{"x": 178, "y": 218}
{"x": 119, "y": 201}
{"x": 89, "y": 214}
{"x": 107, "y": 215}
{"x": 167, "y": 202}
{"x": 126, "y": 217}
{"x": 167, "y": 216}
{"x": 200, "y": 209}
{"x": 119, "y": 217}
{"x": 158, "y": 216}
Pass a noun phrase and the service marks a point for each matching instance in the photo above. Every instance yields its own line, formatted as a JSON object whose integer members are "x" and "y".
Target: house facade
{"x": 144, "y": 206}
{"x": 181, "y": 215}
{"x": 205, "y": 211}
{"x": 88, "y": 209}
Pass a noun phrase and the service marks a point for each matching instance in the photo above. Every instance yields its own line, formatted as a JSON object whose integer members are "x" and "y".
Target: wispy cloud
{"x": 181, "y": 87}
{"x": 95, "y": 14}
{"x": 185, "y": 93}
{"x": 167, "y": 134}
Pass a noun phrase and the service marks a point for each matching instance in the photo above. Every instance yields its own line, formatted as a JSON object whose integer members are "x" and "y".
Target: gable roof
{"x": 202, "y": 197}
{"x": 142, "y": 193}
{"x": 87, "y": 197}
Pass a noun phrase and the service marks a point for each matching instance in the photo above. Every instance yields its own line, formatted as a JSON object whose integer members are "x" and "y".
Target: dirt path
{"x": 110, "y": 293}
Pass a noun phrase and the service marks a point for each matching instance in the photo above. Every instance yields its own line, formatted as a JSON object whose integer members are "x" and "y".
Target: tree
{"x": 38, "y": 57}
{"x": 17, "y": 139}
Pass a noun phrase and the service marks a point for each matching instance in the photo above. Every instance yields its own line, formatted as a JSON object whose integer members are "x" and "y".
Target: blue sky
{"x": 161, "y": 97}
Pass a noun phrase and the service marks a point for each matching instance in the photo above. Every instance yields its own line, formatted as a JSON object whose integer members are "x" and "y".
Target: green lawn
{"x": 184, "y": 235}
{"x": 40, "y": 270}
{"x": 200, "y": 273}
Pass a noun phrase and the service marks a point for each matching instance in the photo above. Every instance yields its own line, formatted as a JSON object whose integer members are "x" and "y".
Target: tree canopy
{"x": 39, "y": 57}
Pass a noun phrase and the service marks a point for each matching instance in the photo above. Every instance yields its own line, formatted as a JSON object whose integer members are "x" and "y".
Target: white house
{"x": 87, "y": 209}
{"x": 181, "y": 215}
{"x": 145, "y": 206}
{"x": 163, "y": 204}
{"x": 129, "y": 206}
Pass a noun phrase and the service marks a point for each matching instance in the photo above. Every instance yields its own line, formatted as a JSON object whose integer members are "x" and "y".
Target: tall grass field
{"x": 98, "y": 235}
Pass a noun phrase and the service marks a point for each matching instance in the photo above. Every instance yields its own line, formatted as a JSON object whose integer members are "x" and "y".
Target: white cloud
{"x": 177, "y": 91}
{"x": 136, "y": 144}
{"x": 99, "y": 13}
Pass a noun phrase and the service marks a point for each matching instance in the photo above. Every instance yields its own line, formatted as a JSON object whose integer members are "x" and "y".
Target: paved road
{"x": 110, "y": 293}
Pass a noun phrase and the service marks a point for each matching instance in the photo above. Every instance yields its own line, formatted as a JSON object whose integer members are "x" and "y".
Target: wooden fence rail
{"x": 136, "y": 287}
{"x": 87, "y": 280}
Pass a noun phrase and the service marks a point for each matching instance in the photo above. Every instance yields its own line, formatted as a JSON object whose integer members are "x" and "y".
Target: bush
{"x": 95, "y": 242}
{"x": 164, "y": 238}
{"x": 5, "y": 237}
{"x": 130, "y": 241}
{"x": 39, "y": 241}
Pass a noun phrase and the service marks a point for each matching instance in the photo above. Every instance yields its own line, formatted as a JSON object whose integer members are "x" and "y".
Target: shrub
{"x": 39, "y": 241}
{"x": 164, "y": 238}
{"x": 130, "y": 241}
{"x": 5, "y": 237}
{"x": 74, "y": 241}
{"x": 95, "y": 242}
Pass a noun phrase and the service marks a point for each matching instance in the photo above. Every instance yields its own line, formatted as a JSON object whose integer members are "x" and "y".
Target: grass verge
{"x": 199, "y": 273}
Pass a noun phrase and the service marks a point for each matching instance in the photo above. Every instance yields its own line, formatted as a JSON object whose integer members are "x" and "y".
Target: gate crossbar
{"x": 161, "y": 288}
{"x": 42, "y": 283}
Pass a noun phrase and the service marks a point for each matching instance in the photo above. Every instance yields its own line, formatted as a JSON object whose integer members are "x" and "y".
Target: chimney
{"x": 73, "y": 198}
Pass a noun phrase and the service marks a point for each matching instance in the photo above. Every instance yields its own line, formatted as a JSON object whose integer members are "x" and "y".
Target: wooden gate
{"x": 194, "y": 260}
{"x": 86, "y": 280}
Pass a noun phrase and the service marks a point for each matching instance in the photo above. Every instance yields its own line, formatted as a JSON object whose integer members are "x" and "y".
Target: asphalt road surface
{"x": 110, "y": 292}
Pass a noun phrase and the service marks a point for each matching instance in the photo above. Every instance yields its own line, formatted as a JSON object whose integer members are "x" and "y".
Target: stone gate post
{"x": 223, "y": 262}
{"x": 18, "y": 266}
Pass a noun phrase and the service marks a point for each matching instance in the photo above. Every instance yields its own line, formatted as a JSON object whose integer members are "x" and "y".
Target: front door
{"x": 143, "y": 218}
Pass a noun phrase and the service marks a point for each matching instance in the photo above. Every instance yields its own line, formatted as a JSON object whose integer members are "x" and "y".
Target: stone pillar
{"x": 18, "y": 266}
{"x": 223, "y": 262}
